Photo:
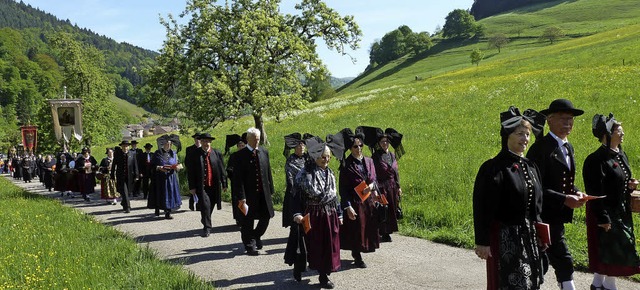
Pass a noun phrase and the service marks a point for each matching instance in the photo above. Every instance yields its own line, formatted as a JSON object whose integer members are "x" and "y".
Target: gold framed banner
{"x": 29, "y": 138}
{"x": 67, "y": 118}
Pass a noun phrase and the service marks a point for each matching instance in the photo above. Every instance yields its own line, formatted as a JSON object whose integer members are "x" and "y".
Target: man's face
{"x": 253, "y": 140}
{"x": 206, "y": 144}
{"x": 561, "y": 123}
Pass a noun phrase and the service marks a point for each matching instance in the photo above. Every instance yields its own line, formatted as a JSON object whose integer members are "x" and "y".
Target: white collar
{"x": 560, "y": 141}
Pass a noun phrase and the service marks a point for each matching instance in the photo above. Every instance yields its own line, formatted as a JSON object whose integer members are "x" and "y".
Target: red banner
{"x": 29, "y": 137}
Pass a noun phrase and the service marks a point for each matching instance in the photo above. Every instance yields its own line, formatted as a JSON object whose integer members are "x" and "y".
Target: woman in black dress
{"x": 507, "y": 200}
{"x": 610, "y": 237}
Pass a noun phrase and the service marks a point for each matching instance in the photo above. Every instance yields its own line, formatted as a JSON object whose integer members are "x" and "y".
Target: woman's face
{"x": 518, "y": 140}
{"x": 110, "y": 153}
{"x": 384, "y": 143}
{"x": 241, "y": 145}
{"x": 617, "y": 136}
{"x": 300, "y": 149}
{"x": 167, "y": 146}
{"x": 323, "y": 161}
{"x": 356, "y": 148}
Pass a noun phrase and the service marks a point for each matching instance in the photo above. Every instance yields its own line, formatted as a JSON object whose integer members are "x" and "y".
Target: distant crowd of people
{"x": 521, "y": 204}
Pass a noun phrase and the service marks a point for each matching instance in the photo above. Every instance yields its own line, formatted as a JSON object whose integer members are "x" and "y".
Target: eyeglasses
{"x": 356, "y": 146}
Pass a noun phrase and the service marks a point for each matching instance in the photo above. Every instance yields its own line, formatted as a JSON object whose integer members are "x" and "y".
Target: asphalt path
{"x": 405, "y": 263}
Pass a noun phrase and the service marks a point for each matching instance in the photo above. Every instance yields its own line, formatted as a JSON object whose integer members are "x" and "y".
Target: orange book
{"x": 306, "y": 223}
{"x": 592, "y": 197}
{"x": 543, "y": 233}
{"x": 243, "y": 206}
{"x": 383, "y": 200}
{"x": 360, "y": 190}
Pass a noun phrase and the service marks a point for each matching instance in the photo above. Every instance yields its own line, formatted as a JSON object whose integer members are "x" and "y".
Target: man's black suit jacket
{"x": 245, "y": 184}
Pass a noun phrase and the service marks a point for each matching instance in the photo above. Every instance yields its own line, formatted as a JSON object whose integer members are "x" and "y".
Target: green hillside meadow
{"x": 450, "y": 115}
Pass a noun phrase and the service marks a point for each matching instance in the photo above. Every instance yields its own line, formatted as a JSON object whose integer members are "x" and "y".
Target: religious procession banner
{"x": 29, "y": 137}
{"x": 67, "y": 119}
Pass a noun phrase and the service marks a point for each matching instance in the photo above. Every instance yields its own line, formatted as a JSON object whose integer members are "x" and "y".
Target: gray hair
{"x": 253, "y": 131}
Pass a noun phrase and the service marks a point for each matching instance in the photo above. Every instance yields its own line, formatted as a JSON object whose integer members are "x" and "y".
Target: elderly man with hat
{"x": 191, "y": 156}
{"x": 125, "y": 170}
{"x": 554, "y": 156}
{"x": 207, "y": 176}
{"x": 145, "y": 168}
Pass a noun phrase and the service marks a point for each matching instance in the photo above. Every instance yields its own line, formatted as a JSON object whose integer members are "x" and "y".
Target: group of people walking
{"x": 521, "y": 204}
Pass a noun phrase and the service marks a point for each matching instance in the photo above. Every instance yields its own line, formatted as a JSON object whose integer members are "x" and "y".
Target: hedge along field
{"x": 450, "y": 121}
{"x": 45, "y": 245}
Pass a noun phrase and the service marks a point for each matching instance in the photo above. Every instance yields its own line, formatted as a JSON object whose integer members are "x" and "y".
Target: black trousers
{"x": 558, "y": 254}
{"x": 146, "y": 185}
{"x": 124, "y": 194}
{"x": 249, "y": 234}
{"x": 206, "y": 206}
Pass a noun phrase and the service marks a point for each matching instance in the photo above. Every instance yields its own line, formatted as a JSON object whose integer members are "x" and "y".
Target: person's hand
{"x": 543, "y": 246}
{"x": 574, "y": 201}
{"x": 606, "y": 227}
{"x": 366, "y": 190}
{"x": 483, "y": 252}
{"x": 297, "y": 219}
{"x": 400, "y": 191}
{"x": 340, "y": 221}
{"x": 193, "y": 191}
{"x": 633, "y": 184}
{"x": 351, "y": 213}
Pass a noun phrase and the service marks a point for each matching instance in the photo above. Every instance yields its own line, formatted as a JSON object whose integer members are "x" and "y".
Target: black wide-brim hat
{"x": 148, "y": 145}
{"x": 196, "y": 135}
{"x": 134, "y": 142}
{"x": 124, "y": 142}
{"x": 561, "y": 105}
{"x": 206, "y": 136}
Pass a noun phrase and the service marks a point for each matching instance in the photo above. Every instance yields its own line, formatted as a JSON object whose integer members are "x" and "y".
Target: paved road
{"x": 406, "y": 263}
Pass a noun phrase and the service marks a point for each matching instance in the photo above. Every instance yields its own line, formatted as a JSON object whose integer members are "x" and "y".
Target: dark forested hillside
{"x": 120, "y": 58}
{"x": 485, "y": 8}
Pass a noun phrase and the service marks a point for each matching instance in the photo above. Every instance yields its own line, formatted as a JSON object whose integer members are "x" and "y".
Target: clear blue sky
{"x": 137, "y": 21}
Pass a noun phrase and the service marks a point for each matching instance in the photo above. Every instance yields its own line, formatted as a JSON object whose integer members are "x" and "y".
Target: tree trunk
{"x": 259, "y": 123}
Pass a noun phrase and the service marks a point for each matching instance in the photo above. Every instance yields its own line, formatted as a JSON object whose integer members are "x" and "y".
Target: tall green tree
{"x": 459, "y": 24}
{"x": 243, "y": 55}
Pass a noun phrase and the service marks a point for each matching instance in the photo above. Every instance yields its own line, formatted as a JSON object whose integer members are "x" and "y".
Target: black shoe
{"x": 597, "y": 288}
{"x": 258, "y": 244}
{"x": 168, "y": 216}
{"x": 191, "y": 206}
{"x": 252, "y": 252}
{"x": 157, "y": 213}
{"x": 385, "y": 238}
{"x": 297, "y": 275}
{"x": 49, "y": 189}
{"x": 325, "y": 283}
{"x": 206, "y": 232}
{"x": 127, "y": 210}
{"x": 360, "y": 264}
{"x": 87, "y": 199}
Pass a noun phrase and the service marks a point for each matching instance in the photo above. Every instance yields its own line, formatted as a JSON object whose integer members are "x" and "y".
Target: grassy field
{"x": 449, "y": 114}
{"x": 45, "y": 245}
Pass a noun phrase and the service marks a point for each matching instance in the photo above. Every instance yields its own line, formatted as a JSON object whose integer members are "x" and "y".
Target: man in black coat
{"x": 207, "y": 175}
{"x": 554, "y": 156}
{"x": 145, "y": 168}
{"x": 125, "y": 170}
{"x": 190, "y": 157}
{"x": 138, "y": 183}
{"x": 253, "y": 186}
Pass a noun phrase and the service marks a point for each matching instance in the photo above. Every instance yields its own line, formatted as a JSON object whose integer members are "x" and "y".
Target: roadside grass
{"x": 45, "y": 245}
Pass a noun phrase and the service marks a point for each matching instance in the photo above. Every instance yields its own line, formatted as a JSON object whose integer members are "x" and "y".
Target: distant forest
{"x": 485, "y": 8}
{"x": 122, "y": 59}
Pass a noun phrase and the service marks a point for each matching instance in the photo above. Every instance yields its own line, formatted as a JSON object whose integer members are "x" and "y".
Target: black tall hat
{"x": 232, "y": 140}
{"x": 175, "y": 140}
{"x": 562, "y": 105}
